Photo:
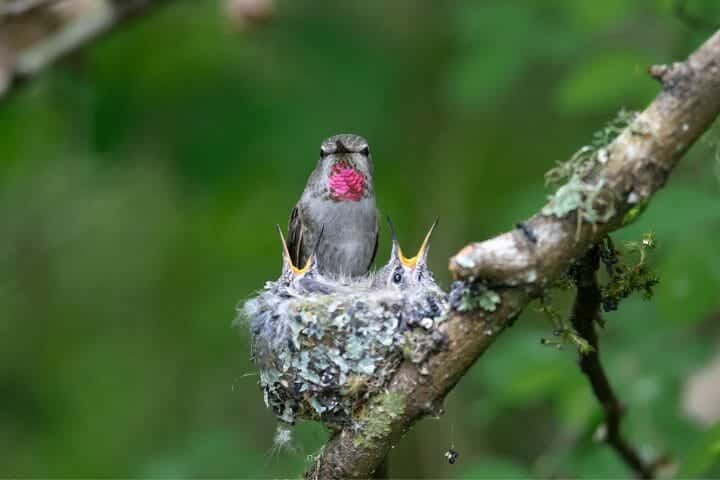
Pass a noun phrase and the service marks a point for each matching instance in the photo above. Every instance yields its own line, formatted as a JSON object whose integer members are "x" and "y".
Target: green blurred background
{"x": 140, "y": 181}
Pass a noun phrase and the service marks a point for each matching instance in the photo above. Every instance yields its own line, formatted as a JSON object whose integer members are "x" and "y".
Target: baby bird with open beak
{"x": 305, "y": 279}
{"x": 402, "y": 272}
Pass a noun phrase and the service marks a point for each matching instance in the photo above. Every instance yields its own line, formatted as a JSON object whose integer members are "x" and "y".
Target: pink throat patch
{"x": 346, "y": 183}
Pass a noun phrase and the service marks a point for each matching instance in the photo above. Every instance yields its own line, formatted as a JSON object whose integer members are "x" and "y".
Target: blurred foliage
{"x": 141, "y": 178}
{"x": 705, "y": 456}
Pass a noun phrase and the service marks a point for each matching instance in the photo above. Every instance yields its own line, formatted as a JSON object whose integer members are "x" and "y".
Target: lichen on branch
{"x": 582, "y": 191}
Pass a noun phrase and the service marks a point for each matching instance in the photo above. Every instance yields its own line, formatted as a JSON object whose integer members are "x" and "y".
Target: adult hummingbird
{"x": 339, "y": 201}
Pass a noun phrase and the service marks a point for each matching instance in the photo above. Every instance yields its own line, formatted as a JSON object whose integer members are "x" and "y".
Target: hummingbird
{"x": 338, "y": 200}
{"x": 305, "y": 278}
{"x": 402, "y": 272}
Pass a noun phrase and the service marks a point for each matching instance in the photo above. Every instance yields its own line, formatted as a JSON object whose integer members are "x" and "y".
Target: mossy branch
{"x": 519, "y": 265}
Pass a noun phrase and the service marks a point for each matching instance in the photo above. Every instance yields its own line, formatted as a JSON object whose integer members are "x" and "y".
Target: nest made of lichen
{"x": 323, "y": 346}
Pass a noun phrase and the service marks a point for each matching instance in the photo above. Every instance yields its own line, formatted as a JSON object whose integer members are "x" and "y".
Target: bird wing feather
{"x": 375, "y": 248}
{"x": 295, "y": 236}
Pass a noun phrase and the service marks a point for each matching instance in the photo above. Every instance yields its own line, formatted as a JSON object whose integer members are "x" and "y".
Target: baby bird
{"x": 305, "y": 279}
{"x": 402, "y": 272}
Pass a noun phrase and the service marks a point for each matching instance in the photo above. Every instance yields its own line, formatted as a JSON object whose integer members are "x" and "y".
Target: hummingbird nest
{"x": 324, "y": 346}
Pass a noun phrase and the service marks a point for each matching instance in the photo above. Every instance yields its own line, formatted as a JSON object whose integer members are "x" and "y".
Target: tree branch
{"x": 635, "y": 166}
{"x": 585, "y": 314}
{"x": 36, "y": 33}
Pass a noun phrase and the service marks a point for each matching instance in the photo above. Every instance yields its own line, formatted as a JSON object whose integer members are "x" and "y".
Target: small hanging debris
{"x": 452, "y": 455}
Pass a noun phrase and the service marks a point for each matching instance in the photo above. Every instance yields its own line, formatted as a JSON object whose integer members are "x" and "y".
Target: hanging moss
{"x": 626, "y": 277}
{"x": 563, "y": 331}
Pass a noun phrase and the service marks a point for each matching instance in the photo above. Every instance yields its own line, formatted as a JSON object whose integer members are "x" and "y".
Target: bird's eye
{"x": 322, "y": 153}
{"x": 397, "y": 278}
{"x": 365, "y": 151}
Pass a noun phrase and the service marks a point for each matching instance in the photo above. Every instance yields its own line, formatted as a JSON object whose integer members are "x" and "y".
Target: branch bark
{"x": 585, "y": 314}
{"x": 36, "y": 33}
{"x": 637, "y": 164}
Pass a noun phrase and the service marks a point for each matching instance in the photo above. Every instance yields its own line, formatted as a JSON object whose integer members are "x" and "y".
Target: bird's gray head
{"x": 402, "y": 272}
{"x": 346, "y": 165}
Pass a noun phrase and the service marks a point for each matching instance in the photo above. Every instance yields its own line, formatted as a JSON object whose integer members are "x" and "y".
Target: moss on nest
{"x": 326, "y": 347}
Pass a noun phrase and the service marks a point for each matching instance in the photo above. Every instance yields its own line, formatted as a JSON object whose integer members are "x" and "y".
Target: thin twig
{"x": 585, "y": 314}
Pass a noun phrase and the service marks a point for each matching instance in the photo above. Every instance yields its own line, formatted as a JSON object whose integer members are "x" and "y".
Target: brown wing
{"x": 295, "y": 236}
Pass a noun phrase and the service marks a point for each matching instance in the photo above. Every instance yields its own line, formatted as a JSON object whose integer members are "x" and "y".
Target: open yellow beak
{"x": 288, "y": 260}
{"x": 422, "y": 252}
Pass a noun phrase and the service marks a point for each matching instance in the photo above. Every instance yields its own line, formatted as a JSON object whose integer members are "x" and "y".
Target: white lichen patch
{"x": 464, "y": 261}
{"x": 531, "y": 276}
{"x": 489, "y": 300}
{"x": 582, "y": 197}
{"x": 583, "y": 187}
{"x": 465, "y": 297}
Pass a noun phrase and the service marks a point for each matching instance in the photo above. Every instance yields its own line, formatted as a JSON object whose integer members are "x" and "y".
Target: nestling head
{"x": 402, "y": 272}
{"x": 290, "y": 271}
{"x": 305, "y": 277}
{"x": 346, "y": 163}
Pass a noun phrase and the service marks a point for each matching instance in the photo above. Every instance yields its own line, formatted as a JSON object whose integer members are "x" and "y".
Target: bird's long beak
{"x": 420, "y": 257}
{"x": 287, "y": 260}
{"x": 422, "y": 254}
